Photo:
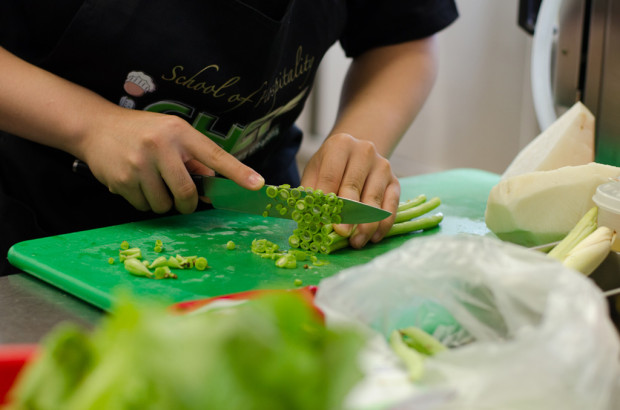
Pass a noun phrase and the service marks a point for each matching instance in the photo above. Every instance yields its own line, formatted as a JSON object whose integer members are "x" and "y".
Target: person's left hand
{"x": 353, "y": 169}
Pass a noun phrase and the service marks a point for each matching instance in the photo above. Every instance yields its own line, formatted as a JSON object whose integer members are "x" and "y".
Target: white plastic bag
{"x": 526, "y": 332}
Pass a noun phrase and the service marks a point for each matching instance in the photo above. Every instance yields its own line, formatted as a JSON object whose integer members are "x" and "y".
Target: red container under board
{"x": 12, "y": 360}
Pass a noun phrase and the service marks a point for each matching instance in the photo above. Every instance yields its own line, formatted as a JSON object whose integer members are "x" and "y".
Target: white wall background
{"x": 480, "y": 112}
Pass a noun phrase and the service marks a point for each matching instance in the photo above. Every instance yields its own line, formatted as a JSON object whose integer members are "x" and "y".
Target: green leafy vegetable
{"x": 270, "y": 353}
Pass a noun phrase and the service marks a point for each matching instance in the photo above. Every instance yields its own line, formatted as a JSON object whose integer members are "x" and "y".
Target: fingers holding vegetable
{"x": 355, "y": 170}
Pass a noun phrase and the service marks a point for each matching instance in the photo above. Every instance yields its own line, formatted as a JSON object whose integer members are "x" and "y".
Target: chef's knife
{"x": 226, "y": 194}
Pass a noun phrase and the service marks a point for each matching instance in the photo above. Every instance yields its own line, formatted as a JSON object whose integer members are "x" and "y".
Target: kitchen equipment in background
{"x": 574, "y": 58}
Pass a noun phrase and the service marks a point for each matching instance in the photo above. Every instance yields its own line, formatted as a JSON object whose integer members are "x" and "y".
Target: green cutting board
{"x": 78, "y": 262}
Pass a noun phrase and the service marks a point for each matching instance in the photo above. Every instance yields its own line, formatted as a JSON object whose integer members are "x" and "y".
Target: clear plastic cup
{"x": 607, "y": 198}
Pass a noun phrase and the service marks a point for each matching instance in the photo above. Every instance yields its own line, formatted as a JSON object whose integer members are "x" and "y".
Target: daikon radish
{"x": 569, "y": 141}
{"x": 543, "y": 206}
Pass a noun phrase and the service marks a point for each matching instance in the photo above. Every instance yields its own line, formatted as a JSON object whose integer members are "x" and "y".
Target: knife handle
{"x": 198, "y": 181}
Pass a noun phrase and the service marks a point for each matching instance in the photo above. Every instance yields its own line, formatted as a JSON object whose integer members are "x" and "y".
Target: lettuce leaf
{"x": 272, "y": 352}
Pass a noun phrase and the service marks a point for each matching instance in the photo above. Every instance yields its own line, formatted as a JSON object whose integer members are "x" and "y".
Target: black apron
{"x": 237, "y": 71}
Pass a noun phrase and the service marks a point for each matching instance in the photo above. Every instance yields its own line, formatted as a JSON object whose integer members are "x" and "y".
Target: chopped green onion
{"x": 174, "y": 263}
{"x": 158, "y": 262}
{"x": 271, "y": 191}
{"x": 162, "y": 272}
{"x": 294, "y": 241}
{"x": 137, "y": 268}
{"x": 283, "y": 194}
{"x": 201, "y": 263}
{"x": 131, "y": 253}
{"x": 297, "y": 216}
{"x": 286, "y": 261}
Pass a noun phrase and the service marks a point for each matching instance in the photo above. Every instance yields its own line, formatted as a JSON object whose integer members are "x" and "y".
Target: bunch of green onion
{"x": 312, "y": 210}
{"x": 316, "y": 212}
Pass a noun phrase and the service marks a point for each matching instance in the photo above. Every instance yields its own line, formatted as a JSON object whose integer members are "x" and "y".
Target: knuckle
{"x": 339, "y": 138}
{"x": 123, "y": 179}
{"x": 218, "y": 155}
{"x": 375, "y": 198}
{"x": 367, "y": 148}
{"x": 185, "y": 191}
{"x": 173, "y": 124}
{"x": 329, "y": 179}
{"x": 158, "y": 137}
{"x": 163, "y": 206}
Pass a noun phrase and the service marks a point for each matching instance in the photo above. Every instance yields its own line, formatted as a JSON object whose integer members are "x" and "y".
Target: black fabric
{"x": 379, "y": 23}
{"x": 239, "y": 71}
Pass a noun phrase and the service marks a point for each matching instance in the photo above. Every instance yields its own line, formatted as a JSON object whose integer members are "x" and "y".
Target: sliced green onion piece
{"x": 294, "y": 241}
{"x": 201, "y": 263}
{"x": 283, "y": 194}
{"x": 271, "y": 191}
{"x": 295, "y": 193}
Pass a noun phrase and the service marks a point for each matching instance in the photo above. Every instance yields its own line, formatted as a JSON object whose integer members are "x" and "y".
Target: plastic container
{"x": 12, "y": 359}
{"x": 607, "y": 198}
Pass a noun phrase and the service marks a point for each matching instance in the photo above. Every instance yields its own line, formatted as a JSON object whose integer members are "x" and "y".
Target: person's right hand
{"x": 145, "y": 157}
{"x": 148, "y": 157}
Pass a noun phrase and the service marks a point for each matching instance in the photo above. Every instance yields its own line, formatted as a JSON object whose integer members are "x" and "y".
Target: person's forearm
{"x": 45, "y": 108}
{"x": 384, "y": 90}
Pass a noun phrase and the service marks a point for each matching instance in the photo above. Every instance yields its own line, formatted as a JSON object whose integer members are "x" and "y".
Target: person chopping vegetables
{"x": 147, "y": 92}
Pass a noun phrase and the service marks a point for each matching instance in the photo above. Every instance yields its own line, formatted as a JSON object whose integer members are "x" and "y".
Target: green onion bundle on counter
{"x": 316, "y": 212}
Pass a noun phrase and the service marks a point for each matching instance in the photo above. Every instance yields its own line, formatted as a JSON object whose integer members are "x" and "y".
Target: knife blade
{"x": 226, "y": 194}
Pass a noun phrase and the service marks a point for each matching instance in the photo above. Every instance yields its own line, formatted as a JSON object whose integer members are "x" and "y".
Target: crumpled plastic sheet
{"x": 524, "y": 331}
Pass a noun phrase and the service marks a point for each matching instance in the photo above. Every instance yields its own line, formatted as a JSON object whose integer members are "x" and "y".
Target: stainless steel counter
{"x": 30, "y": 308}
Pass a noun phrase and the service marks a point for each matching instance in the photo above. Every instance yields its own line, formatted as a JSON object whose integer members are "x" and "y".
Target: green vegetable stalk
{"x": 412, "y": 359}
{"x": 586, "y": 225}
{"x": 421, "y": 341}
